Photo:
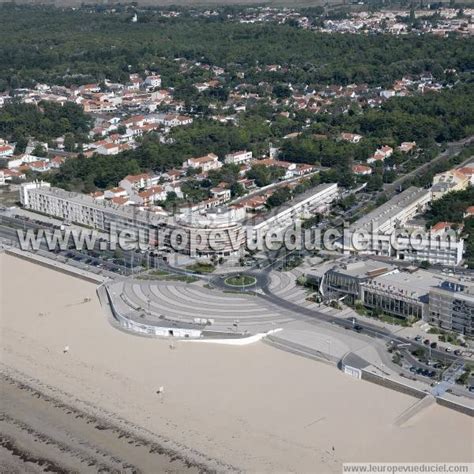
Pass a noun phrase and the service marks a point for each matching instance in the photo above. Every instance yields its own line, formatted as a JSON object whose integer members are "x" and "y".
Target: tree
{"x": 237, "y": 190}
{"x": 69, "y": 142}
{"x": 20, "y": 146}
{"x": 279, "y": 197}
{"x": 40, "y": 151}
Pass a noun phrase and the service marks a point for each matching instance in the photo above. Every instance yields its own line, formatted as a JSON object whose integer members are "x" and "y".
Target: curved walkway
{"x": 156, "y": 301}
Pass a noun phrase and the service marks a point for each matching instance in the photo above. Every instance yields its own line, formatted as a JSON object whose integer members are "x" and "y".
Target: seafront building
{"x": 451, "y": 307}
{"x": 84, "y": 210}
{"x": 219, "y": 231}
{"x": 406, "y": 293}
{"x": 344, "y": 279}
{"x": 387, "y": 231}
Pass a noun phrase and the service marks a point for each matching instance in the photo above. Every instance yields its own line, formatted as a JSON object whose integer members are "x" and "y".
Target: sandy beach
{"x": 251, "y": 408}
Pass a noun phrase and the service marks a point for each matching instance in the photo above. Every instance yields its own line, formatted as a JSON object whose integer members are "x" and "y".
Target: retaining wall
{"x": 392, "y": 384}
{"x": 57, "y": 266}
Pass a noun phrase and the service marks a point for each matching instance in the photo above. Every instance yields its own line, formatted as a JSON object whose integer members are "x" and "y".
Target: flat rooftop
{"x": 417, "y": 284}
{"x": 391, "y": 208}
{"x": 129, "y": 212}
{"x": 361, "y": 269}
{"x": 258, "y": 218}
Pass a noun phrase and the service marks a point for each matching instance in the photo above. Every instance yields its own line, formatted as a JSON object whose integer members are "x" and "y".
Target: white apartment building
{"x": 286, "y": 215}
{"x": 85, "y": 210}
{"x": 385, "y": 232}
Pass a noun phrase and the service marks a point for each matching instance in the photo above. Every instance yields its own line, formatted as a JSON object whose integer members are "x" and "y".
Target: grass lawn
{"x": 240, "y": 280}
{"x": 201, "y": 267}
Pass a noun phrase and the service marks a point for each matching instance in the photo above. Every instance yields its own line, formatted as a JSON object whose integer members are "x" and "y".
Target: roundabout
{"x": 240, "y": 281}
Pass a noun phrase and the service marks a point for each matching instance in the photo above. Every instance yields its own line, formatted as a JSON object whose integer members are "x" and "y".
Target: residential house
{"x": 407, "y": 147}
{"x": 152, "y": 81}
{"x": 206, "y": 163}
{"x": 469, "y": 212}
{"x": 289, "y": 168}
{"x": 380, "y": 154}
{"x": 221, "y": 193}
{"x": 150, "y": 196}
{"x": 351, "y": 137}
{"x": 97, "y": 195}
{"x": 132, "y": 183}
{"x": 115, "y": 192}
{"x": 468, "y": 171}
{"x": 361, "y": 170}
{"x": 238, "y": 157}
{"x": 108, "y": 148}
{"x": 452, "y": 180}
{"x": 6, "y": 150}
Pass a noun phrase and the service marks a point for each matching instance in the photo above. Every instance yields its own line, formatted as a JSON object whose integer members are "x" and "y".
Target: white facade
{"x": 385, "y": 232}
{"x": 153, "y": 81}
{"x": 238, "y": 157}
{"x": 6, "y": 150}
{"x": 285, "y": 216}
{"x": 206, "y": 163}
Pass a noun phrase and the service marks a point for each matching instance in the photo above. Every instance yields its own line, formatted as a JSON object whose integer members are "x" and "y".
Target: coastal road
{"x": 263, "y": 284}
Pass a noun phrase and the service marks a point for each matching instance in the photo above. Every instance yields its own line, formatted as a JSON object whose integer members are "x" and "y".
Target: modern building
{"x": 451, "y": 307}
{"x": 409, "y": 293}
{"x": 344, "y": 279}
{"x": 401, "y": 294}
{"x": 215, "y": 231}
{"x": 317, "y": 199}
{"x": 386, "y": 231}
{"x": 84, "y": 210}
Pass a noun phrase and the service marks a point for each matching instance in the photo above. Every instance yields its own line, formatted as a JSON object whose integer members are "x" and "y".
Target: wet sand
{"x": 250, "y": 408}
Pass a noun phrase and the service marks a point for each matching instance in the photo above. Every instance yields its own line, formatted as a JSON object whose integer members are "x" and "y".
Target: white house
{"x": 380, "y": 154}
{"x": 361, "y": 170}
{"x": 221, "y": 193}
{"x": 115, "y": 193}
{"x": 135, "y": 182}
{"x": 150, "y": 196}
{"x": 108, "y": 149}
{"x": 206, "y": 163}
{"x": 238, "y": 157}
{"x": 153, "y": 81}
{"x": 6, "y": 150}
{"x": 351, "y": 137}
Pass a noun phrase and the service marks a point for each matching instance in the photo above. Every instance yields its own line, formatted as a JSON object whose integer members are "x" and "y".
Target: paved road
{"x": 453, "y": 149}
{"x": 263, "y": 290}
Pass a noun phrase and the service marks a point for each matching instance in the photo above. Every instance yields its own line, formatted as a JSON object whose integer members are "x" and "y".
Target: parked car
{"x": 418, "y": 338}
{"x": 426, "y": 342}
{"x": 434, "y": 345}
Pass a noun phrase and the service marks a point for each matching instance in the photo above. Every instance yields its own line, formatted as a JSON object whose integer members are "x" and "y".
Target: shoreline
{"x": 16, "y": 387}
{"x": 224, "y": 407}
